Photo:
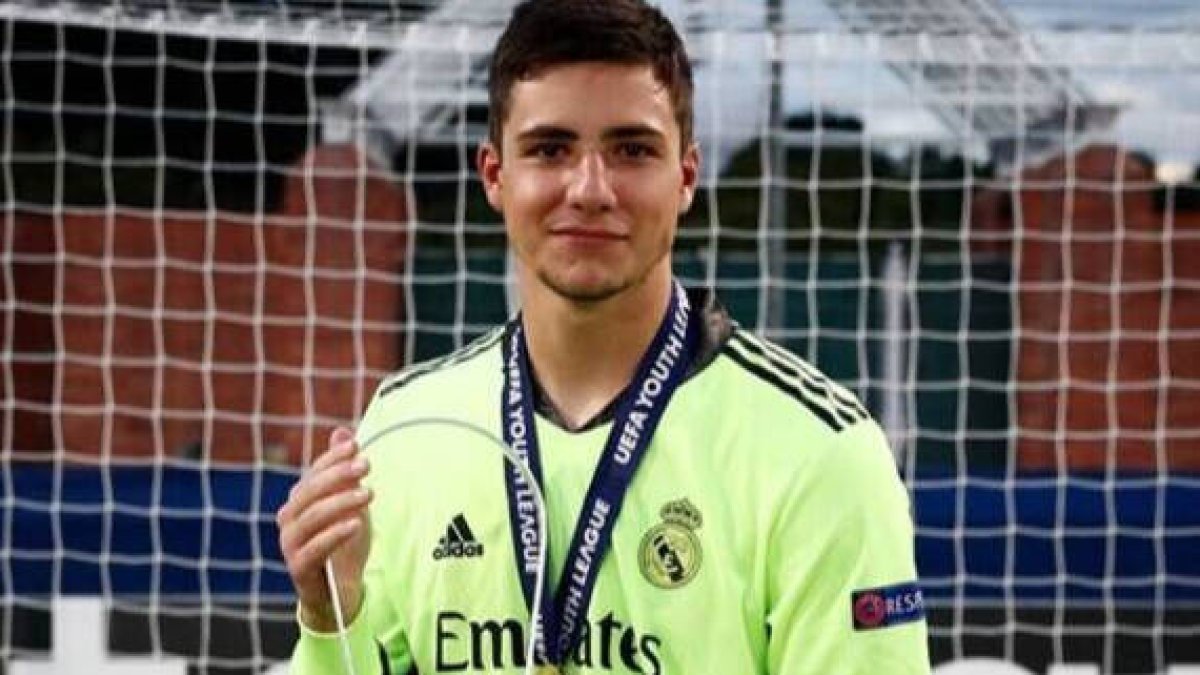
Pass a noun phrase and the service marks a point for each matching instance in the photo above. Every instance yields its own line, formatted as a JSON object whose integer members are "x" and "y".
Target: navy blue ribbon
{"x": 638, "y": 412}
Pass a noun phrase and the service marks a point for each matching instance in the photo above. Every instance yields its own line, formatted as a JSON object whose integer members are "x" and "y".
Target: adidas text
{"x": 458, "y": 542}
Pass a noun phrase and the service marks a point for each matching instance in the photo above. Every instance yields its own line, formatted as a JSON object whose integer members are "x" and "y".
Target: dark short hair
{"x": 545, "y": 33}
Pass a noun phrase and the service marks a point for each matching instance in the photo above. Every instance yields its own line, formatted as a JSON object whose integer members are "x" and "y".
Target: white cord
{"x": 513, "y": 458}
{"x": 330, "y": 579}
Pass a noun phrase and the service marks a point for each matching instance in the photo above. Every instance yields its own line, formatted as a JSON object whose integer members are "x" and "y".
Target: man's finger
{"x": 312, "y": 556}
{"x": 341, "y": 447}
{"x": 320, "y": 483}
{"x": 323, "y": 514}
{"x": 340, "y": 434}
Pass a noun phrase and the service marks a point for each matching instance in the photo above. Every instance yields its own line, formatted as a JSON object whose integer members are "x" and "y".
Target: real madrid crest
{"x": 670, "y": 554}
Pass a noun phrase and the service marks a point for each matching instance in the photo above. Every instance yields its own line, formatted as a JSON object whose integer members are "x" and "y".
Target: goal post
{"x": 222, "y": 223}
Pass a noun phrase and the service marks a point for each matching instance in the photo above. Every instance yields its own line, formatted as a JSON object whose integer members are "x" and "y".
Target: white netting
{"x": 224, "y": 221}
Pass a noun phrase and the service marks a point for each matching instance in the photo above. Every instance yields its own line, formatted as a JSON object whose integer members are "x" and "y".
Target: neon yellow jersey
{"x": 766, "y": 531}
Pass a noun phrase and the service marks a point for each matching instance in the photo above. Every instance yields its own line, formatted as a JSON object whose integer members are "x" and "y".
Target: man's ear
{"x": 487, "y": 162}
{"x": 690, "y": 164}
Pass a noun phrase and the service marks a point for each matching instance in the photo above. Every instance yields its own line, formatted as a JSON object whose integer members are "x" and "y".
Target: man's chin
{"x": 584, "y": 291}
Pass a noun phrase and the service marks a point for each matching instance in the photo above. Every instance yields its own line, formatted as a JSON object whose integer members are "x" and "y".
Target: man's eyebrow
{"x": 547, "y": 132}
{"x": 550, "y": 132}
{"x": 633, "y": 131}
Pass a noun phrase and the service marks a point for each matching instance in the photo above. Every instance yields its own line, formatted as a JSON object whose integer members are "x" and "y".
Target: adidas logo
{"x": 458, "y": 542}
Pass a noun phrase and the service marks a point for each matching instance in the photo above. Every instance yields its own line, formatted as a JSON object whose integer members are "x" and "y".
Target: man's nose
{"x": 590, "y": 187}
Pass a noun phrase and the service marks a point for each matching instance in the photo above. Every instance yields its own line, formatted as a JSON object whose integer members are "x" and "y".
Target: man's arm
{"x": 325, "y": 517}
{"x": 842, "y": 592}
{"x": 377, "y": 642}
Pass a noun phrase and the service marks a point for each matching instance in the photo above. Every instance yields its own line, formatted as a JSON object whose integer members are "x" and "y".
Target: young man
{"x": 715, "y": 504}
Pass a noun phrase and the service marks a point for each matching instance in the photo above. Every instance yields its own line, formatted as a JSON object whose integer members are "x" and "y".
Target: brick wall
{"x": 27, "y": 290}
{"x": 233, "y": 337}
{"x": 1106, "y": 369}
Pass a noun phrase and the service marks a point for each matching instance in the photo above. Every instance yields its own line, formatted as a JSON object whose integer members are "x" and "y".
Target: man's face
{"x": 590, "y": 178}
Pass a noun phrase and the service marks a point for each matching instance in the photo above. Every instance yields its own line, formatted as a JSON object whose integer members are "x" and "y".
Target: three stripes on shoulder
{"x": 466, "y": 353}
{"x": 793, "y": 376}
{"x": 823, "y": 397}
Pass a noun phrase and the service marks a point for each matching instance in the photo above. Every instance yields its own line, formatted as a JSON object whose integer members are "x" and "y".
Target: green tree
{"x": 840, "y": 193}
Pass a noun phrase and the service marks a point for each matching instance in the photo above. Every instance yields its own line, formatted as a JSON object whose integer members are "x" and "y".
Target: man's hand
{"x": 326, "y": 516}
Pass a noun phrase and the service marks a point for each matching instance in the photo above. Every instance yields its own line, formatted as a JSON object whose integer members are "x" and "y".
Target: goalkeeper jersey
{"x": 765, "y": 531}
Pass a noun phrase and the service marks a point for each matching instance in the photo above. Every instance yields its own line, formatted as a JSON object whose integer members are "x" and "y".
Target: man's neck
{"x": 585, "y": 354}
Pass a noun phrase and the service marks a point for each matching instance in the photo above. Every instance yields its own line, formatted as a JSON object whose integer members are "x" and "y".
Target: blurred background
{"x": 224, "y": 222}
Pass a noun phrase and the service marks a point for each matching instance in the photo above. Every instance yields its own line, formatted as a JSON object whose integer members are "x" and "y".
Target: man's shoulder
{"x": 442, "y": 371}
{"x": 775, "y": 382}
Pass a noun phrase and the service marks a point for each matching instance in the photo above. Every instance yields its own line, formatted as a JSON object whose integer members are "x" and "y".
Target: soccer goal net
{"x": 225, "y": 220}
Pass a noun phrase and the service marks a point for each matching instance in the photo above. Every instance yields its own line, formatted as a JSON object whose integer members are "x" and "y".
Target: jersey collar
{"x": 715, "y": 328}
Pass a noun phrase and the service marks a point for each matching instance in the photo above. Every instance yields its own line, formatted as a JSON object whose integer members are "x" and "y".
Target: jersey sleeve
{"x": 377, "y": 640}
{"x": 842, "y": 588}
{"x": 378, "y": 643}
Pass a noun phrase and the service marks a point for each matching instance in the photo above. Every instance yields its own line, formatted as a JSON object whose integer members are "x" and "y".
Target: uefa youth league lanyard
{"x": 661, "y": 370}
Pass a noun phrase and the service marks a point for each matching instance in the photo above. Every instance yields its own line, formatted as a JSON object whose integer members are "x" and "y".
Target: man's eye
{"x": 635, "y": 150}
{"x": 546, "y": 150}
